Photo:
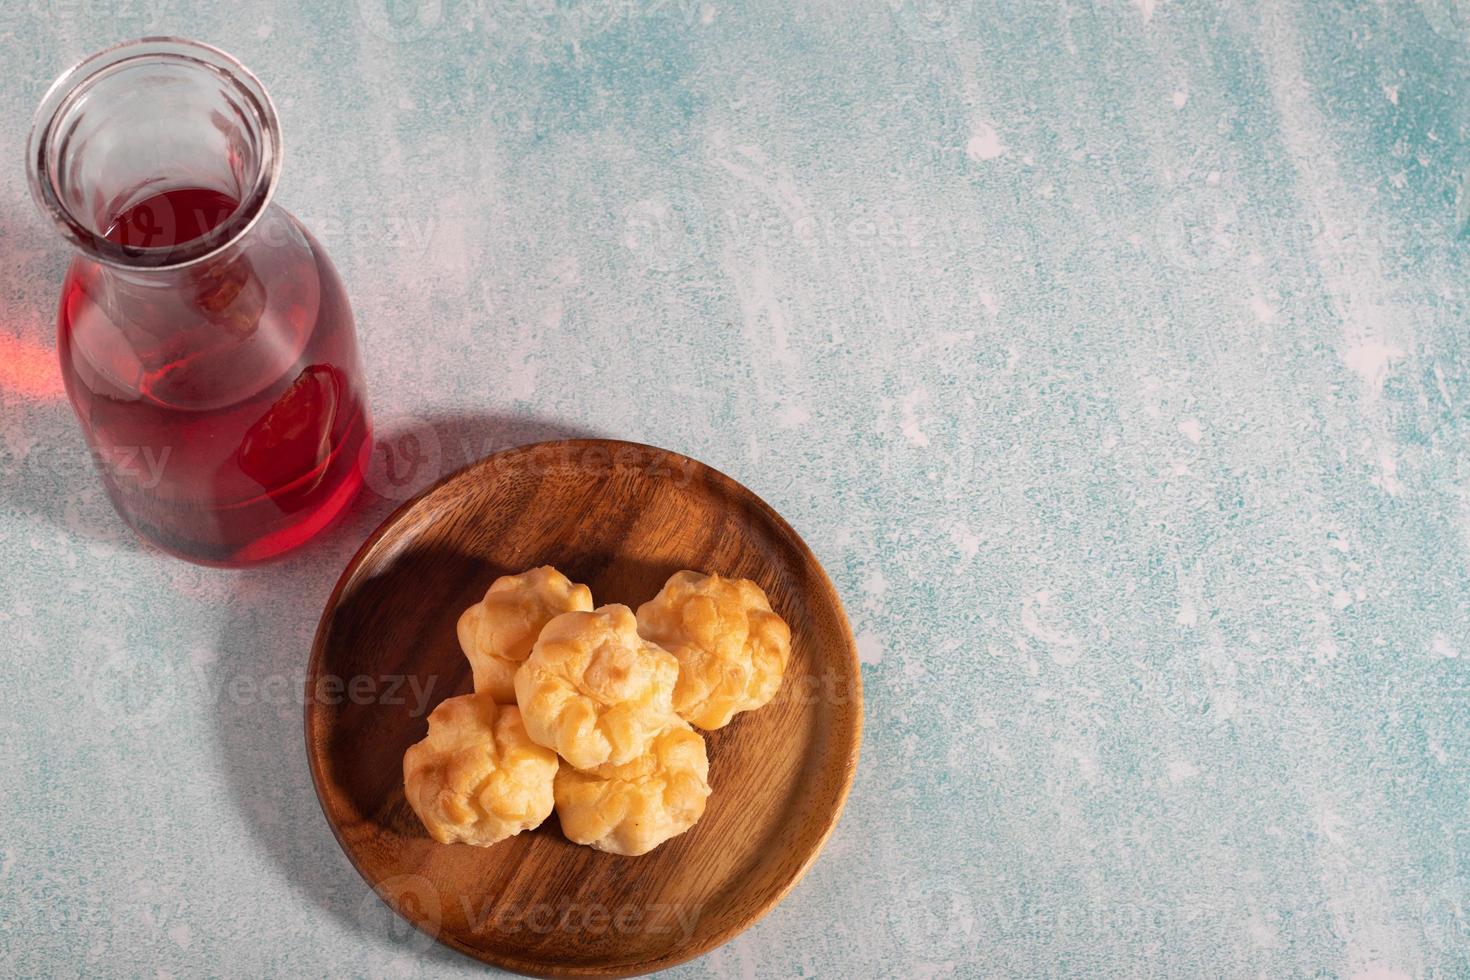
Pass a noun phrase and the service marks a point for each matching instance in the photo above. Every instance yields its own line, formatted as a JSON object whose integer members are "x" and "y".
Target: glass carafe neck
{"x": 155, "y": 155}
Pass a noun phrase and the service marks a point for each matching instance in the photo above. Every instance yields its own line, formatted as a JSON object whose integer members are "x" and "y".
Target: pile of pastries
{"x": 592, "y": 712}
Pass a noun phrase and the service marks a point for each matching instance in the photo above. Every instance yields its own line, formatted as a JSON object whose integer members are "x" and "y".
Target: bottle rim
{"x": 73, "y": 85}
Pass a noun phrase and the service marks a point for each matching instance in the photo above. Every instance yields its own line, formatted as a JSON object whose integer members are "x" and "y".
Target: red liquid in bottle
{"x": 222, "y": 399}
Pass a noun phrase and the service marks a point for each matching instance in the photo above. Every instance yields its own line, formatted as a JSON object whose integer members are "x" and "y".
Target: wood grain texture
{"x": 620, "y": 517}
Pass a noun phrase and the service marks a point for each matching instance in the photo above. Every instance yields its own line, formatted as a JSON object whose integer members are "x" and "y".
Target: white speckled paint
{"x": 1111, "y": 355}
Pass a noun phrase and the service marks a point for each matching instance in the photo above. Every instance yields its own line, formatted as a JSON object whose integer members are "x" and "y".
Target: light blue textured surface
{"x": 1111, "y": 355}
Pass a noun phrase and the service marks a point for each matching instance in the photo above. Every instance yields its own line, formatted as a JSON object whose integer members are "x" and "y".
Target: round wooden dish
{"x": 620, "y": 517}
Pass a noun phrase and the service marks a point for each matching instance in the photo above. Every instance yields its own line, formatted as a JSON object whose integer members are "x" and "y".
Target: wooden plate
{"x": 620, "y": 517}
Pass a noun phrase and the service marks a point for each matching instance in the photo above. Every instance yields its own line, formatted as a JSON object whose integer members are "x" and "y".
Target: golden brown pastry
{"x": 732, "y": 649}
{"x": 497, "y": 633}
{"x": 594, "y": 690}
{"x": 632, "y": 808}
{"x": 478, "y": 778}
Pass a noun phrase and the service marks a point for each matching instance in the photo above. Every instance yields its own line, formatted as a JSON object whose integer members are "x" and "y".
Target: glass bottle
{"x": 207, "y": 344}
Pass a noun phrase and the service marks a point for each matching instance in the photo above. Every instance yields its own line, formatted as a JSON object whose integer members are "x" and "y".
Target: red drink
{"x": 205, "y": 339}
{"x": 227, "y": 418}
{"x": 170, "y": 218}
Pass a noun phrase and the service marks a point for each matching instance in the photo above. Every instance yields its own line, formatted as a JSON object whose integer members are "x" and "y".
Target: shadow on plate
{"x": 394, "y": 626}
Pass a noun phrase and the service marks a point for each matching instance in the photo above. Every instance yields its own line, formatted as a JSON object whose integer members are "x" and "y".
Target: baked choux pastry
{"x": 478, "y": 778}
{"x": 731, "y": 647}
{"x": 497, "y": 633}
{"x": 632, "y": 808}
{"x": 594, "y": 690}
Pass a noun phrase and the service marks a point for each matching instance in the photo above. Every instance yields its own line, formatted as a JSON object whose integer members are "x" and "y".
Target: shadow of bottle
{"x": 267, "y": 636}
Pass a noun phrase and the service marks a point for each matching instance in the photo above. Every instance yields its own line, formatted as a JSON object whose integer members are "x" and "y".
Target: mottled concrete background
{"x": 1111, "y": 355}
